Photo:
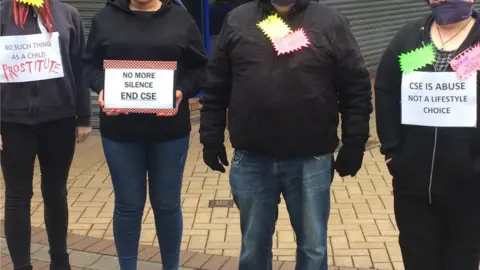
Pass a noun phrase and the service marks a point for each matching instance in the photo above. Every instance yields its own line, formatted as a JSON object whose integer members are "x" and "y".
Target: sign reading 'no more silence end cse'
{"x": 140, "y": 86}
{"x": 439, "y": 99}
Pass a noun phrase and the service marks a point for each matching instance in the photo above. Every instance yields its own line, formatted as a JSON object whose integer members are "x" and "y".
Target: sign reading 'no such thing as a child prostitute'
{"x": 139, "y": 86}
{"x": 439, "y": 99}
{"x": 27, "y": 58}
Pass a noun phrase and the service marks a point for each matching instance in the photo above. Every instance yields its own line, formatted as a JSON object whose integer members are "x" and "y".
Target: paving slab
{"x": 362, "y": 229}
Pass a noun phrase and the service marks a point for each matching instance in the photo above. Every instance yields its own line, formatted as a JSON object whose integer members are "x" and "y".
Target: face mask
{"x": 283, "y": 2}
{"x": 452, "y": 11}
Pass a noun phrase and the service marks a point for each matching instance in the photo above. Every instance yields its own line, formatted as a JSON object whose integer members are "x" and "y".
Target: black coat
{"x": 286, "y": 105}
{"x": 426, "y": 161}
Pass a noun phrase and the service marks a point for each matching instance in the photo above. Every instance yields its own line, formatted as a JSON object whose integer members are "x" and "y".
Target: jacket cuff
{"x": 212, "y": 139}
{"x": 83, "y": 121}
{"x": 99, "y": 85}
{"x": 185, "y": 90}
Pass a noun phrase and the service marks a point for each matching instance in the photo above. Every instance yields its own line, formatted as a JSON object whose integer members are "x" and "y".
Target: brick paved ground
{"x": 99, "y": 254}
{"x": 362, "y": 230}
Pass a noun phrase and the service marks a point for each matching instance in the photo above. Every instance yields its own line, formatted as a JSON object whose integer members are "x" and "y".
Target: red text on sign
{"x": 45, "y": 65}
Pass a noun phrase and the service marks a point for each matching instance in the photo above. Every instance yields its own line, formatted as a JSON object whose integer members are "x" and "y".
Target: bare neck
{"x": 450, "y": 37}
{"x": 153, "y": 5}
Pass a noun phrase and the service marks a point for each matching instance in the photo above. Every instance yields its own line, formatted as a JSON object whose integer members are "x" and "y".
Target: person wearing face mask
{"x": 284, "y": 90}
{"x": 146, "y": 149}
{"x": 432, "y": 144}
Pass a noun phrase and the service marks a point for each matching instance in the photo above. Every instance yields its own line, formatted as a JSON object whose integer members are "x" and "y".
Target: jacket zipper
{"x": 433, "y": 166}
{"x": 432, "y": 169}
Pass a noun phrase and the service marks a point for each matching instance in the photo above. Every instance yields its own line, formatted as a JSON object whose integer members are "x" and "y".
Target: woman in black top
{"x": 432, "y": 148}
{"x": 45, "y": 111}
{"x": 137, "y": 145}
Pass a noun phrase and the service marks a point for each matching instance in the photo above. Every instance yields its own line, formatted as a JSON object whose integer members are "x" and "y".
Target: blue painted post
{"x": 205, "y": 30}
{"x": 206, "y": 24}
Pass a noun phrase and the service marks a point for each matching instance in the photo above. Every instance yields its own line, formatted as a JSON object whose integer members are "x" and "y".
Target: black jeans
{"x": 443, "y": 235}
{"x": 54, "y": 144}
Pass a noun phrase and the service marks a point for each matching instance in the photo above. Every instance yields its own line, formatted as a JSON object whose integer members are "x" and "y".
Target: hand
{"x": 349, "y": 160}
{"x": 178, "y": 99}
{"x": 215, "y": 156}
{"x": 102, "y": 105}
{"x": 82, "y": 133}
{"x": 1, "y": 143}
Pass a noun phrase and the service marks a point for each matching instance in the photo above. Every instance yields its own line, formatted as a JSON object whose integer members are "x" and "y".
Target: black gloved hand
{"x": 349, "y": 160}
{"x": 215, "y": 156}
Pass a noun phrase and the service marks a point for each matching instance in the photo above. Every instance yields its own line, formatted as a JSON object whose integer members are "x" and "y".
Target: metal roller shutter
{"x": 375, "y": 22}
{"x": 88, "y": 9}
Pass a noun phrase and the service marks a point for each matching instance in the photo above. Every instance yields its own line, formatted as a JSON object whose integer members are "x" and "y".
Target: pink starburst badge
{"x": 467, "y": 63}
{"x": 294, "y": 41}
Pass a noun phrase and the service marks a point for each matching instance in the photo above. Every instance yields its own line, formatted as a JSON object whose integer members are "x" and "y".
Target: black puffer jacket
{"x": 286, "y": 105}
{"x": 427, "y": 161}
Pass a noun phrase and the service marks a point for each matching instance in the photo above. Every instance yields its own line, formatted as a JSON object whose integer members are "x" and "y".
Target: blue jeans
{"x": 257, "y": 182}
{"x": 129, "y": 164}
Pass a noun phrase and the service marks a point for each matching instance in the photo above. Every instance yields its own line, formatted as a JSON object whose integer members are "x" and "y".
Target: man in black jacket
{"x": 283, "y": 118}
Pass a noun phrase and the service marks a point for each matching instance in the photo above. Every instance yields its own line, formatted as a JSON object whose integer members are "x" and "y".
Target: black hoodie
{"x": 426, "y": 161}
{"x": 169, "y": 34}
{"x": 287, "y": 105}
{"x": 41, "y": 101}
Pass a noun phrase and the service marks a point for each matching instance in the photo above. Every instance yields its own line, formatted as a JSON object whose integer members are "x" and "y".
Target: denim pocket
{"x": 322, "y": 157}
{"x": 238, "y": 156}
{"x": 321, "y": 162}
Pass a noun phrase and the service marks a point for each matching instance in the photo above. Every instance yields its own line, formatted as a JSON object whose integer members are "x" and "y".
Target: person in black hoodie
{"x": 41, "y": 116}
{"x": 137, "y": 145}
{"x": 283, "y": 114}
{"x": 435, "y": 158}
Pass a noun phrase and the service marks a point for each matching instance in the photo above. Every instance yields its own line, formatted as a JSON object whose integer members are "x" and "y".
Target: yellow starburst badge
{"x": 33, "y": 3}
{"x": 273, "y": 27}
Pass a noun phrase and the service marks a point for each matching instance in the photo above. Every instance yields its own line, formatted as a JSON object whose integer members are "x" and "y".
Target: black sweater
{"x": 169, "y": 34}
{"x": 454, "y": 152}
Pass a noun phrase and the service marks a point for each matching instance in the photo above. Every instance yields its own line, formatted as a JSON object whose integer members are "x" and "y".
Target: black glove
{"x": 215, "y": 156}
{"x": 349, "y": 160}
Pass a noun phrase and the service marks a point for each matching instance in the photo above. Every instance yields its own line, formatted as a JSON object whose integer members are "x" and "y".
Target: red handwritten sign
{"x": 30, "y": 58}
{"x": 40, "y": 66}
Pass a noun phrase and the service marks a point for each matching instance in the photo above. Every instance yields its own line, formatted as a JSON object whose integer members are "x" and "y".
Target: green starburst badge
{"x": 417, "y": 58}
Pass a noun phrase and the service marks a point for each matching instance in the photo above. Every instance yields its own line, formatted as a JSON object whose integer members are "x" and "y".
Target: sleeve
{"x": 353, "y": 86}
{"x": 217, "y": 89}
{"x": 195, "y": 60}
{"x": 94, "y": 74}
{"x": 388, "y": 83}
{"x": 77, "y": 49}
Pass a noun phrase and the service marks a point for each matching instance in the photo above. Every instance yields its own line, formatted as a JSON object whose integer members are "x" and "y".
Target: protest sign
{"x": 139, "y": 86}
{"x": 439, "y": 99}
{"x": 30, "y": 58}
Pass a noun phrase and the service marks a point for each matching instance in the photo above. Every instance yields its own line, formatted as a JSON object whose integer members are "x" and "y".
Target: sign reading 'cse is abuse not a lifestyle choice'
{"x": 139, "y": 86}
{"x": 439, "y": 99}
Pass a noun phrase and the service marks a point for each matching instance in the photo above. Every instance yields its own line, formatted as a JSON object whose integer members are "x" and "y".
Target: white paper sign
{"x": 439, "y": 99}
{"x": 139, "y": 89}
{"x": 30, "y": 58}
